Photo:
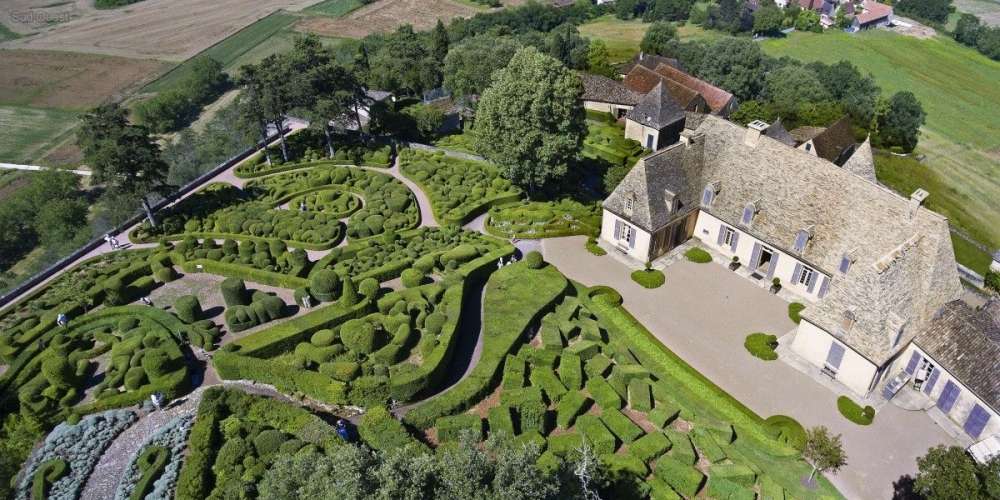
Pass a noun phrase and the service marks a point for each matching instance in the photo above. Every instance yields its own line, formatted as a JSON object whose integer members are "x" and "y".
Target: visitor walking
{"x": 343, "y": 431}
{"x": 62, "y": 319}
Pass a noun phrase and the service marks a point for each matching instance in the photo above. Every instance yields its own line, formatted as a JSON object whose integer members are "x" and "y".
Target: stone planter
{"x": 734, "y": 266}
{"x": 775, "y": 289}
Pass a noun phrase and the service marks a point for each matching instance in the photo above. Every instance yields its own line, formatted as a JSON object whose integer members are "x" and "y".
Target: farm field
{"x": 623, "y": 37}
{"x": 386, "y": 15}
{"x": 7, "y": 34}
{"x": 36, "y": 15}
{"x": 49, "y": 79}
{"x": 957, "y": 87}
{"x": 333, "y": 8}
{"x": 172, "y": 30}
{"x": 987, "y": 10}
{"x": 29, "y": 132}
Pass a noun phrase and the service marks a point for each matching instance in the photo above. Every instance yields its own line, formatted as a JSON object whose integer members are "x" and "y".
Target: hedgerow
{"x": 459, "y": 189}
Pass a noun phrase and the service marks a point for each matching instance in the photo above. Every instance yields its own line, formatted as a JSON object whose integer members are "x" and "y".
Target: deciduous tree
{"x": 658, "y": 37}
{"x": 823, "y": 451}
{"x": 470, "y": 64}
{"x": 530, "y": 120}
{"x": 900, "y": 124}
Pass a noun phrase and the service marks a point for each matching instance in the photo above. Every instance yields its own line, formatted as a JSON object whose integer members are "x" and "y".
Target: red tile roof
{"x": 716, "y": 98}
{"x": 873, "y": 11}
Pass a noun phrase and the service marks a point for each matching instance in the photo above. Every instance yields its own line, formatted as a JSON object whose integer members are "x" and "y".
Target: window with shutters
{"x": 807, "y": 276}
{"x": 748, "y": 212}
{"x": 801, "y": 238}
{"x": 845, "y": 264}
{"x": 730, "y": 235}
{"x": 626, "y": 232}
{"x": 629, "y": 205}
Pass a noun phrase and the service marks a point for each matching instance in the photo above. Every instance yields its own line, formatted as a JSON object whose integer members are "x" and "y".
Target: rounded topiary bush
{"x": 369, "y": 287}
{"x": 268, "y": 441}
{"x": 156, "y": 363}
{"x": 854, "y": 412}
{"x": 412, "y": 278}
{"x": 127, "y": 324}
{"x": 234, "y": 292}
{"x": 323, "y": 338}
{"x": 363, "y": 336}
{"x": 787, "y": 430}
{"x": 649, "y": 278}
{"x": 165, "y": 274}
{"x": 698, "y": 256}
{"x": 434, "y": 322}
{"x": 762, "y": 345}
{"x": 344, "y": 371}
{"x": 187, "y": 308}
{"x": 534, "y": 260}
{"x": 606, "y": 295}
{"x": 425, "y": 263}
{"x": 59, "y": 371}
{"x": 795, "y": 311}
{"x": 135, "y": 378}
{"x": 324, "y": 285}
{"x": 114, "y": 292}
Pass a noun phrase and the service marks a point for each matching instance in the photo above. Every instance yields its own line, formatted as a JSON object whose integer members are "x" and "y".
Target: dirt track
{"x": 386, "y": 15}
{"x": 172, "y": 30}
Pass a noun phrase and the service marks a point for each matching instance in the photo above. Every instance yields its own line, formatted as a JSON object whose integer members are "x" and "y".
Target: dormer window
{"x": 629, "y": 205}
{"x": 809, "y": 147}
{"x": 748, "y": 212}
{"x": 708, "y": 195}
{"x": 801, "y": 238}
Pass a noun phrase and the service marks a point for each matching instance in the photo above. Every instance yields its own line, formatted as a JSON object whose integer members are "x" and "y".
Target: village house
{"x": 872, "y": 267}
{"x": 873, "y": 15}
{"x": 605, "y": 95}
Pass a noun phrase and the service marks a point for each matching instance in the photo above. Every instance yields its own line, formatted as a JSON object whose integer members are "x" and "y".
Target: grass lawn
{"x": 463, "y": 142}
{"x": 230, "y": 51}
{"x": 29, "y": 132}
{"x": 958, "y": 89}
{"x": 623, "y": 37}
{"x": 333, "y": 8}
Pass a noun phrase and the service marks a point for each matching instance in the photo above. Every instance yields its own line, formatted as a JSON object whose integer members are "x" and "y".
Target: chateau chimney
{"x": 754, "y": 129}
{"x": 917, "y": 199}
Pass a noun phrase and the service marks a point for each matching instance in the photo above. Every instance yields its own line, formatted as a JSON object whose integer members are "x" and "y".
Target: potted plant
{"x": 735, "y": 264}
{"x": 775, "y": 285}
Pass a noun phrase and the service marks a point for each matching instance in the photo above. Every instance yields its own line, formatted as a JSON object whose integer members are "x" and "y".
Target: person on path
{"x": 62, "y": 319}
{"x": 302, "y": 206}
{"x": 114, "y": 243}
{"x": 343, "y": 431}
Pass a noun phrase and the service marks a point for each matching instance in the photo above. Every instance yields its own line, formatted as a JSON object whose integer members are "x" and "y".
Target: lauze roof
{"x": 603, "y": 89}
{"x": 901, "y": 263}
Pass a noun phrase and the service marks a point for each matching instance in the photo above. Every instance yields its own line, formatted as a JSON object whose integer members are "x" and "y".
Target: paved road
{"x": 35, "y": 168}
{"x": 704, "y": 311}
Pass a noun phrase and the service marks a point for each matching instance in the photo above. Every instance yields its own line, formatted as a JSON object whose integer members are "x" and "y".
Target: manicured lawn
{"x": 606, "y": 141}
{"x": 29, "y": 132}
{"x": 229, "y": 51}
{"x": 334, "y": 8}
{"x": 623, "y": 37}
{"x": 957, "y": 87}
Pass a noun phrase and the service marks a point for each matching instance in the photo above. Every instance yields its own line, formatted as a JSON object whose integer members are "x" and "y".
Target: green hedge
{"x": 795, "y": 311}
{"x": 546, "y": 379}
{"x": 707, "y": 445}
{"x": 622, "y": 426}
{"x": 723, "y": 488}
{"x": 152, "y": 462}
{"x": 564, "y": 444}
{"x": 572, "y": 405}
{"x": 762, "y": 345}
{"x": 650, "y": 446}
{"x": 380, "y": 430}
{"x": 698, "y": 255}
{"x": 681, "y": 448}
{"x": 451, "y": 428}
{"x": 854, "y": 412}
{"x": 649, "y": 278}
{"x": 639, "y": 395}
{"x": 46, "y": 474}
{"x": 500, "y": 420}
{"x": 601, "y": 439}
{"x": 233, "y": 270}
{"x": 739, "y": 474}
{"x": 787, "y": 430}
{"x": 683, "y": 478}
{"x": 571, "y": 371}
{"x": 604, "y": 394}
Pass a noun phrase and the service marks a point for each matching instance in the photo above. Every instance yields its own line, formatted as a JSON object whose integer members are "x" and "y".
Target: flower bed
{"x": 81, "y": 446}
{"x": 160, "y": 483}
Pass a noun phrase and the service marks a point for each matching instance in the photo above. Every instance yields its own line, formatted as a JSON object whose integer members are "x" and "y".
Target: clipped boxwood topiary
{"x": 165, "y": 274}
{"x": 114, "y": 292}
{"x": 698, "y": 256}
{"x": 324, "y": 285}
{"x": 762, "y": 345}
{"x": 649, "y": 278}
{"x": 795, "y": 310}
{"x": 369, "y": 287}
{"x": 234, "y": 292}
{"x": 534, "y": 260}
{"x": 323, "y": 338}
{"x": 855, "y": 413}
{"x": 412, "y": 278}
{"x": 187, "y": 308}
{"x": 362, "y": 336}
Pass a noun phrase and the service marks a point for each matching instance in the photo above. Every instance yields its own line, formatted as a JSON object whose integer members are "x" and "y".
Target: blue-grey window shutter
{"x": 929, "y": 385}
{"x": 812, "y": 282}
{"x": 835, "y": 356}
{"x": 825, "y": 287}
{"x": 772, "y": 266}
{"x": 948, "y": 396}
{"x": 747, "y": 214}
{"x": 754, "y": 256}
{"x": 796, "y": 273}
{"x": 911, "y": 366}
{"x": 976, "y": 422}
{"x": 845, "y": 264}
{"x": 736, "y": 239}
{"x": 706, "y": 196}
{"x": 722, "y": 235}
{"x": 618, "y": 229}
{"x": 631, "y": 237}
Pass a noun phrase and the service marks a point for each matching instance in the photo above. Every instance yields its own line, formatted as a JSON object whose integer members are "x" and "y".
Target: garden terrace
{"x": 605, "y": 140}
{"x": 225, "y": 211}
{"x": 426, "y": 249}
{"x": 548, "y": 219}
{"x": 388, "y": 203}
{"x": 590, "y": 373}
{"x": 309, "y": 146}
{"x": 459, "y": 189}
{"x": 363, "y": 349}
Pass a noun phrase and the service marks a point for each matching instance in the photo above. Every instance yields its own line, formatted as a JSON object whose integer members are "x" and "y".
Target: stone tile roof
{"x": 806, "y": 133}
{"x": 958, "y": 339}
{"x": 903, "y": 262}
{"x": 649, "y": 61}
{"x": 861, "y": 162}
{"x": 603, "y": 89}
{"x": 718, "y": 100}
{"x": 656, "y": 109}
{"x": 778, "y": 132}
{"x": 646, "y": 185}
{"x": 834, "y": 141}
{"x": 873, "y": 11}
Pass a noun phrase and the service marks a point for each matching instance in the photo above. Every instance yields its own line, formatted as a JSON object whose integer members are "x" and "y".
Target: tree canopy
{"x": 469, "y": 65}
{"x": 947, "y": 472}
{"x": 658, "y": 37}
{"x": 899, "y": 126}
{"x": 530, "y": 120}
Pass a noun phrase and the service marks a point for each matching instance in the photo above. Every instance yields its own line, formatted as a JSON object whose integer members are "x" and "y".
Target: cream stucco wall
{"x": 638, "y": 132}
{"x": 642, "y": 238}
{"x": 813, "y": 344}
{"x": 707, "y": 230}
{"x": 966, "y": 398}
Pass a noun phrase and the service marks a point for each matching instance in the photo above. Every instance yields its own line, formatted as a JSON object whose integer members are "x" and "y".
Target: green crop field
{"x": 28, "y": 132}
{"x": 334, "y": 8}
{"x": 229, "y": 51}
{"x": 959, "y": 91}
{"x": 623, "y": 37}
